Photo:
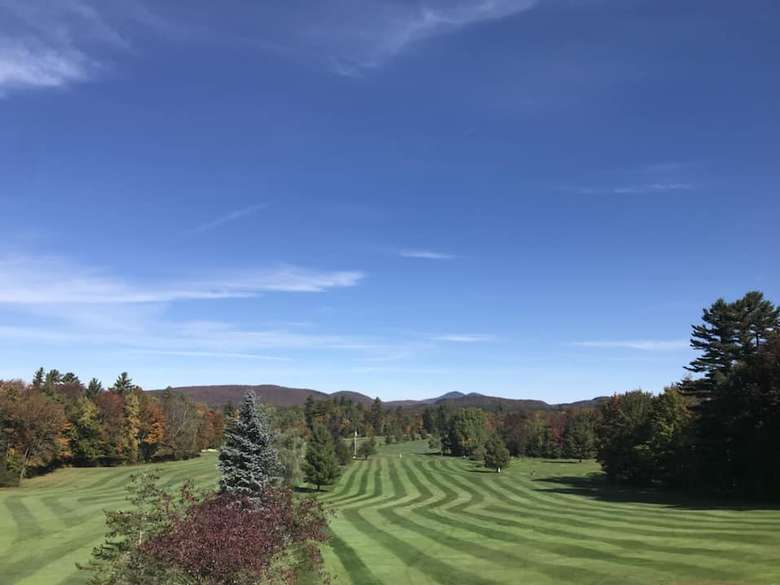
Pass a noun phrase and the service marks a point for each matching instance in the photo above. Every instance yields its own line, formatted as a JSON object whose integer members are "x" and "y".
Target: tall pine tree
{"x": 730, "y": 333}
{"x": 124, "y": 384}
{"x": 248, "y": 461}
{"x": 321, "y": 466}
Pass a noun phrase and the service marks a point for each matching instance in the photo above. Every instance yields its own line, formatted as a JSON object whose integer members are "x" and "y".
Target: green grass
{"x": 54, "y": 521}
{"x": 406, "y": 516}
{"x": 409, "y": 517}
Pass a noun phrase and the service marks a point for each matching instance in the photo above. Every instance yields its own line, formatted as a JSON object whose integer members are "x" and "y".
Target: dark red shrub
{"x": 225, "y": 539}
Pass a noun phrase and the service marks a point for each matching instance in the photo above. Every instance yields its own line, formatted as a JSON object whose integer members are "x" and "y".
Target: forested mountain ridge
{"x": 274, "y": 395}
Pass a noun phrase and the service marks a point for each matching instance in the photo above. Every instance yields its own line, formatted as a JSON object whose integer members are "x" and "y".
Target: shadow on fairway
{"x": 304, "y": 489}
{"x": 596, "y": 486}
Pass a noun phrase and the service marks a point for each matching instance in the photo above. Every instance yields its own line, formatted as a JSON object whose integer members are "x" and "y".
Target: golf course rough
{"x": 406, "y": 516}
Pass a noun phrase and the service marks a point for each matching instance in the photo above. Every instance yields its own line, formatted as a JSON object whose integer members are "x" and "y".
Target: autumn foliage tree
{"x": 226, "y": 539}
{"x": 57, "y": 420}
{"x": 34, "y": 428}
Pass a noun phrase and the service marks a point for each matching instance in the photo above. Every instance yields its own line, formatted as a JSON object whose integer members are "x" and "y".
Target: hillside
{"x": 267, "y": 393}
{"x": 219, "y": 395}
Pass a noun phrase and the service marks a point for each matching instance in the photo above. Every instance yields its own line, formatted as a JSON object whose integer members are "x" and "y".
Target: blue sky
{"x": 524, "y": 198}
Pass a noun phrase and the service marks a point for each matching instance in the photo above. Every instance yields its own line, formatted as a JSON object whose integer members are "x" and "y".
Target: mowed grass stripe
{"x": 537, "y": 492}
{"x": 432, "y": 567}
{"x": 558, "y": 558}
{"x": 354, "y": 488}
{"x": 525, "y": 496}
{"x": 345, "y": 484}
{"x": 410, "y": 555}
{"x": 636, "y": 564}
{"x": 523, "y": 519}
{"x": 544, "y": 492}
{"x": 375, "y": 493}
{"x": 589, "y": 547}
{"x": 64, "y": 517}
{"x": 27, "y": 524}
{"x": 359, "y": 573}
{"x": 404, "y": 516}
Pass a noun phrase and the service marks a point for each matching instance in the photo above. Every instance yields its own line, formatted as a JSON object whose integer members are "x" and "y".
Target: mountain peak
{"x": 449, "y": 396}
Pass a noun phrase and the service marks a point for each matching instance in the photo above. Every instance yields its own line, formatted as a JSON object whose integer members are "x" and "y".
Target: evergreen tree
{"x": 496, "y": 455}
{"x": 94, "y": 388}
{"x": 367, "y": 448}
{"x": 716, "y": 338}
{"x": 38, "y": 378}
{"x": 342, "y": 451}
{"x": 309, "y": 412}
{"x": 124, "y": 384}
{"x": 377, "y": 416}
{"x": 757, "y": 320}
{"x": 70, "y": 378}
{"x": 53, "y": 377}
{"x": 730, "y": 333}
{"x": 248, "y": 461}
{"x": 321, "y": 467}
{"x": 229, "y": 410}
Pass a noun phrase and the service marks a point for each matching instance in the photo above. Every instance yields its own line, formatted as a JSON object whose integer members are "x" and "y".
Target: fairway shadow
{"x": 597, "y": 487}
{"x": 304, "y": 489}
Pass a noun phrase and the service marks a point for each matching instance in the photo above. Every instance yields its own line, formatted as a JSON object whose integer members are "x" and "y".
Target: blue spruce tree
{"x": 248, "y": 462}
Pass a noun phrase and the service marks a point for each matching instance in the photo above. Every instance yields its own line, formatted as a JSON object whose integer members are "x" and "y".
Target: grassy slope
{"x": 427, "y": 519}
{"x": 53, "y": 521}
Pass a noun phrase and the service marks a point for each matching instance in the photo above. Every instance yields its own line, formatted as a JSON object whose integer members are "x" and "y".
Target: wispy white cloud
{"x": 47, "y": 44}
{"x": 54, "y": 44}
{"x": 350, "y": 38}
{"x": 49, "y": 280}
{"x": 228, "y": 218}
{"x": 203, "y": 339}
{"x": 426, "y": 255}
{"x": 639, "y": 189}
{"x": 214, "y": 354}
{"x": 26, "y": 65}
{"x": 642, "y": 344}
{"x": 465, "y": 338}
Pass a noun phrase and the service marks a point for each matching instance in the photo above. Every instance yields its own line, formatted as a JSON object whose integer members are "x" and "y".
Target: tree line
{"x": 57, "y": 420}
{"x": 718, "y": 430}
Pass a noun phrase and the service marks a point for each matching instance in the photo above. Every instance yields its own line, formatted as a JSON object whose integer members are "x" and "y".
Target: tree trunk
{"x": 24, "y": 465}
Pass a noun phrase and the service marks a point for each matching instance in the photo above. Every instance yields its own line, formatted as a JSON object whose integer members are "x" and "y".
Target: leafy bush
{"x": 186, "y": 538}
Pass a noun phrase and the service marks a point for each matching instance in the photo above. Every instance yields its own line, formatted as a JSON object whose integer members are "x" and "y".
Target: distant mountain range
{"x": 218, "y": 396}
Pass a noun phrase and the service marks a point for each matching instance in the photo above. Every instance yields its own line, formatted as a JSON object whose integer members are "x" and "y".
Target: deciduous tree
{"x": 34, "y": 428}
{"x": 496, "y": 454}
